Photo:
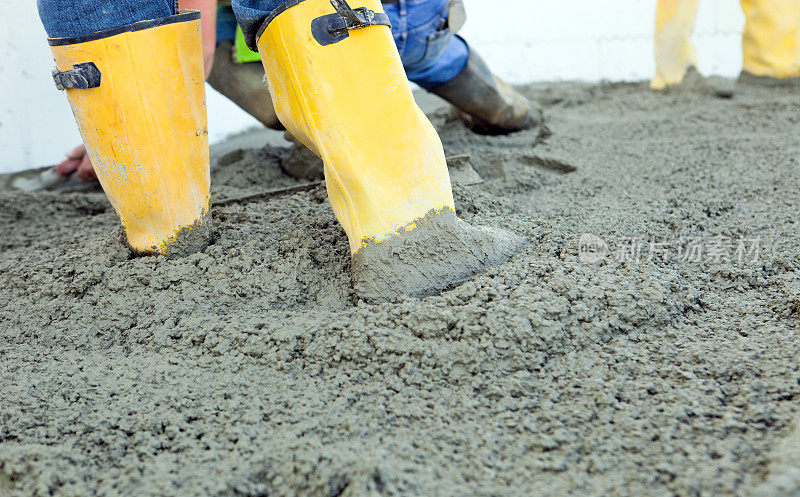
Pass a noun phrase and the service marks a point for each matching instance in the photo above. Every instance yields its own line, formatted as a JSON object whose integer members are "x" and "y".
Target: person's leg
{"x": 226, "y": 24}
{"x": 431, "y": 55}
{"x": 70, "y": 18}
{"x": 442, "y": 63}
{"x": 142, "y": 118}
{"x": 771, "y": 38}
{"x": 344, "y": 99}
{"x": 339, "y": 86}
{"x": 441, "y": 66}
{"x": 243, "y": 84}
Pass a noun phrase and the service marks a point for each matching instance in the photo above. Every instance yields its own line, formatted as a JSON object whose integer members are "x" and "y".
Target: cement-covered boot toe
{"x": 440, "y": 252}
{"x": 488, "y": 105}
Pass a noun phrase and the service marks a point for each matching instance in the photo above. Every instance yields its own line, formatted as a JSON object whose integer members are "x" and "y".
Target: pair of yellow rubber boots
{"x": 770, "y": 41}
{"x": 144, "y": 125}
{"x": 337, "y": 84}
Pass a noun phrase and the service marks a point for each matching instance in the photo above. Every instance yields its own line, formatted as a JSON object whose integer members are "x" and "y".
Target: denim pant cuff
{"x": 251, "y": 14}
{"x": 78, "y": 18}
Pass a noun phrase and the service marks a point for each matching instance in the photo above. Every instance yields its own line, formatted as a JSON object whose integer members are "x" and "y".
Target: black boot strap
{"x": 333, "y": 28}
{"x": 82, "y": 77}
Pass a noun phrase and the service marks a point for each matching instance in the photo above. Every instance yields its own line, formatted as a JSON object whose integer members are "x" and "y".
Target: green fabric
{"x": 243, "y": 53}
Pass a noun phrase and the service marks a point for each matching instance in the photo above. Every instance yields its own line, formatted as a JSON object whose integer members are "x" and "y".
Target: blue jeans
{"x": 76, "y": 18}
{"x": 73, "y": 18}
{"x": 226, "y": 25}
{"x": 430, "y": 53}
{"x": 250, "y": 14}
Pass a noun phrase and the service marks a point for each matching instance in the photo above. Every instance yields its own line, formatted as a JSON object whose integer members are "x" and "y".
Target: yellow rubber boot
{"x": 338, "y": 85}
{"x": 349, "y": 101}
{"x": 771, "y": 38}
{"x": 138, "y": 96}
{"x": 674, "y": 51}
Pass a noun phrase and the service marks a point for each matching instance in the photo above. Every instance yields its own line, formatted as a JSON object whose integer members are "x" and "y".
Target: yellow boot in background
{"x": 771, "y": 38}
{"x": 674, "y": 51}
{"x": 338, "y": 85}
{"x": 138, "y": 96}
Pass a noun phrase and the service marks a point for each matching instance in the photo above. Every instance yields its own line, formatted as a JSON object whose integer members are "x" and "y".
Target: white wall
{"x": 592, "y": 40}
{"x": 523, "y": 40}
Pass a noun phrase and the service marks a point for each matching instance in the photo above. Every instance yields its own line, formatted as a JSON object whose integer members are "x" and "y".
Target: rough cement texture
{"x": 440, "y": 252}
{"x": 783, "y": 473}
{"x": 250, "y": 369}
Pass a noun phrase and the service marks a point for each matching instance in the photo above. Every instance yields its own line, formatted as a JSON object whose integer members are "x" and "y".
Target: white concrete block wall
{"x": 523, "y": 40}
{"x": 538, "y": 40}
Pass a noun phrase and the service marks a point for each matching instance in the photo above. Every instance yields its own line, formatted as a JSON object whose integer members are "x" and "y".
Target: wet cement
{"x": 251, "y": 369}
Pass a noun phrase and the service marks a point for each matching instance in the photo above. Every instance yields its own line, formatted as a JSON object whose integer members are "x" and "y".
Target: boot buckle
{"x": 82, "y": 77}
{"x": 333, "y": 28}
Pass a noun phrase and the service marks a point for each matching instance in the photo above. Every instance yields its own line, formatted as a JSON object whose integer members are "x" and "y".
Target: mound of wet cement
{"x": 251, "y": 368}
